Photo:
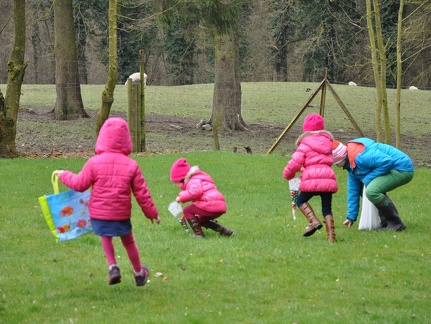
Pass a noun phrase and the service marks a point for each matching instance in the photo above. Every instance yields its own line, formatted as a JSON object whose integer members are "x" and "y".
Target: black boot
{"x": 215, "y": 226}
{"x": 390, "y": 213}
{"x": 196, "y": 227}
{"x": 383, "y": 222}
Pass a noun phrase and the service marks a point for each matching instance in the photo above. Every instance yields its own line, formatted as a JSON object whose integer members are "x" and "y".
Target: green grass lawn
{"x": 267, "y": 272}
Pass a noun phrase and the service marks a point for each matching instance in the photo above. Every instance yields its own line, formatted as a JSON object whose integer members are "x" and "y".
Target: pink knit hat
{"x": 339, "y": 151}
{"x": 179, "y": 170}
{"x": 313, "y": 122}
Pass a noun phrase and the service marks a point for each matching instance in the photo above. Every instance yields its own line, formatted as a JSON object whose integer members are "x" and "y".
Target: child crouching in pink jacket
{"x": 313, "y": 158}
{"x": 207, "y": 202}
{"x": 113, "y": 176}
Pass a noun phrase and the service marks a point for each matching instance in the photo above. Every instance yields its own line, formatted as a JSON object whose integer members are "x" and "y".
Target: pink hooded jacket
{"x": 313, "y": 157}
{"x": 113, "y": 176}
{"x": 199, "y": 188}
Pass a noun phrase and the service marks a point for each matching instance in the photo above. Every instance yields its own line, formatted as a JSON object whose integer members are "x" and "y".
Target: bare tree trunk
{"x": 108, "y": 93}
{"x": 16, "y": 71}
{"x": 69, "y": 103}
{"x": 382, "y": 63}
{"x": 399, "y": 77}
{"x": 375, "y": 64}
{"x": 226, "y": 110}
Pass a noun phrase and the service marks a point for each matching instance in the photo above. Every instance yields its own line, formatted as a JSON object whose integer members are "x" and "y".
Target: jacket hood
{"x": 306, "y": 134}
{"x": 193, "y": 170}
{"x": 114, "y": 136}
{"x": 196, "y": 173}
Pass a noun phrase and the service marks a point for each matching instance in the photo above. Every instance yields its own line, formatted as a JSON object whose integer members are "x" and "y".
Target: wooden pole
{"x": 323, "y": 95}
{"x": 142, "y": 129}
{"x": 131, "y": 113}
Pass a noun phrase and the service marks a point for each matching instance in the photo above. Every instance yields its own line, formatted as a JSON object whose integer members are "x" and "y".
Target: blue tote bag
{"x": 66, "y": 213}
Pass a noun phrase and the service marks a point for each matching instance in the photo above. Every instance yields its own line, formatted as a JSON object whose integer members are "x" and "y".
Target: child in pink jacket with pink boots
{"x": 113, "y": 176}
{"x": 207, "y": 202}
{"x": 313, "y": 158}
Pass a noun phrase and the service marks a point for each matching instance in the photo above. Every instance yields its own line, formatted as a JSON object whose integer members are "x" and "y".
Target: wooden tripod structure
{"x": 322, "y": 87}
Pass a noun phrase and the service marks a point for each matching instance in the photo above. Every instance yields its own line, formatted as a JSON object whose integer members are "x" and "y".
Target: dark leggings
{"x": 326, "y": 198}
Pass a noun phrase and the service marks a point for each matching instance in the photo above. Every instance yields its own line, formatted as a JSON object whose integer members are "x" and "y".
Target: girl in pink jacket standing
{"x": 113, "y": 176}
{"x": 313, "y": 158}
{"x": 207, "y": 202}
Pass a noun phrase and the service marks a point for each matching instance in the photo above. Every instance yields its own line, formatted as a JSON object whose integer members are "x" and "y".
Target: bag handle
{"x": 54, "y": 180}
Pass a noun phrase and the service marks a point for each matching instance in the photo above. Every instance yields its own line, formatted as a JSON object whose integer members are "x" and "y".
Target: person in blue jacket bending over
{"x": 381, "y": 168}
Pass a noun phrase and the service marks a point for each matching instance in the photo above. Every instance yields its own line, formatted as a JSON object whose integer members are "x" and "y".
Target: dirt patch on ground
{"x": 39, "y": 135}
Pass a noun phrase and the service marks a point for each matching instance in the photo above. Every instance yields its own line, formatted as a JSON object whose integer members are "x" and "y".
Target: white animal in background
{"x": 136, "y": 78}
{"x": 351, "y": 83}
{"x": 413, "y": 88}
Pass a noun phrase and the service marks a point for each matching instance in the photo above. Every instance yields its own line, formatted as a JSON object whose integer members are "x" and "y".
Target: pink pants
{"x": 202, "y": 215}
{"x": 129, "y": 244}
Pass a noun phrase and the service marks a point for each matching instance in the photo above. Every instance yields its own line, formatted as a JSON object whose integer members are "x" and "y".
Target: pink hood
{"x": 114, "y": 136}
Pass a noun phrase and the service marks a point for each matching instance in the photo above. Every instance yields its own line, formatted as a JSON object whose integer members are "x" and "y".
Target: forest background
{"x": 280, "y": 40}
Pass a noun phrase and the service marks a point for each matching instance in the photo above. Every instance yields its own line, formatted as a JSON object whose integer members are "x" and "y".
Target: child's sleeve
{"x": 143, "y": 196}
{"x": 294, "y": 165}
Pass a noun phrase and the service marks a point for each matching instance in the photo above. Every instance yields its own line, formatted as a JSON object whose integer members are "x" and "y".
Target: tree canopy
{"x": 281, "y": 40}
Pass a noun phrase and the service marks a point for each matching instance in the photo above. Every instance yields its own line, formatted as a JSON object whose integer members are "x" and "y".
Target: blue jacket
{"x": 368, "y": 160}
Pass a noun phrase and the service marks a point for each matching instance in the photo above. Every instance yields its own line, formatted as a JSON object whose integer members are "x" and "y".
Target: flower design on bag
{"x": 66, "y": 211}
{"x": 64, "y": 228}
{"x": 81, "y": 223}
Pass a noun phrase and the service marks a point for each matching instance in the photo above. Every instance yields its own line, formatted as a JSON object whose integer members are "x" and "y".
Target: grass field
{"x": 267, "y": 272}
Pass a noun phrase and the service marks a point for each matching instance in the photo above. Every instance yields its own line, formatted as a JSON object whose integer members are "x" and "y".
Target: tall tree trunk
{"x": 399, "y": 77}
{"x": 69, "y": 103}
{"x": 16, "y": 71}
{"x": 382, "y": 62}
{"x": 226, "y": 110}
{"x": 108, "y": 93}
{"x": 375, "y": 64}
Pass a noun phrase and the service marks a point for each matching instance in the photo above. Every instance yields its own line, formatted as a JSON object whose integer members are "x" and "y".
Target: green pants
{"x": 377, "y": 188}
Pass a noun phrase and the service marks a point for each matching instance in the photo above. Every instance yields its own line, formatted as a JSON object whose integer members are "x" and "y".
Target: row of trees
{"x": 279, "y": 40}
{"x": 231, "y": 39}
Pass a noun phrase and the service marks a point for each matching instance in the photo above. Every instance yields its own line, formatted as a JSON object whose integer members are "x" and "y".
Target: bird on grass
{"x": 248, "y": 149}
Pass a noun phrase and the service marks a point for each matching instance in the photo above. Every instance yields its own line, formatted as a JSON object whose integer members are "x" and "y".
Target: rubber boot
{"x": 388, "y": 210}
{"x": 330, "y": 228}
{"x": 383, "y": 222}
{"x": 196, "y": 227}
{"x": 315, "y": 224}
{"x": 215, "y": 226}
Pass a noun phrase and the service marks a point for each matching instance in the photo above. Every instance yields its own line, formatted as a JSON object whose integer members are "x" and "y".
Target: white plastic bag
{"x": 369, "y": 219}
{"x": 175, "y": 208}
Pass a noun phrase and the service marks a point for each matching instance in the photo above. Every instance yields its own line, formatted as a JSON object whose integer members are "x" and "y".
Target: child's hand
{"x": 177, "y": 199}
{"x": 157, "y": 220}
{"x": 348, "y": 223}
{"x": 58, "y": 172}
